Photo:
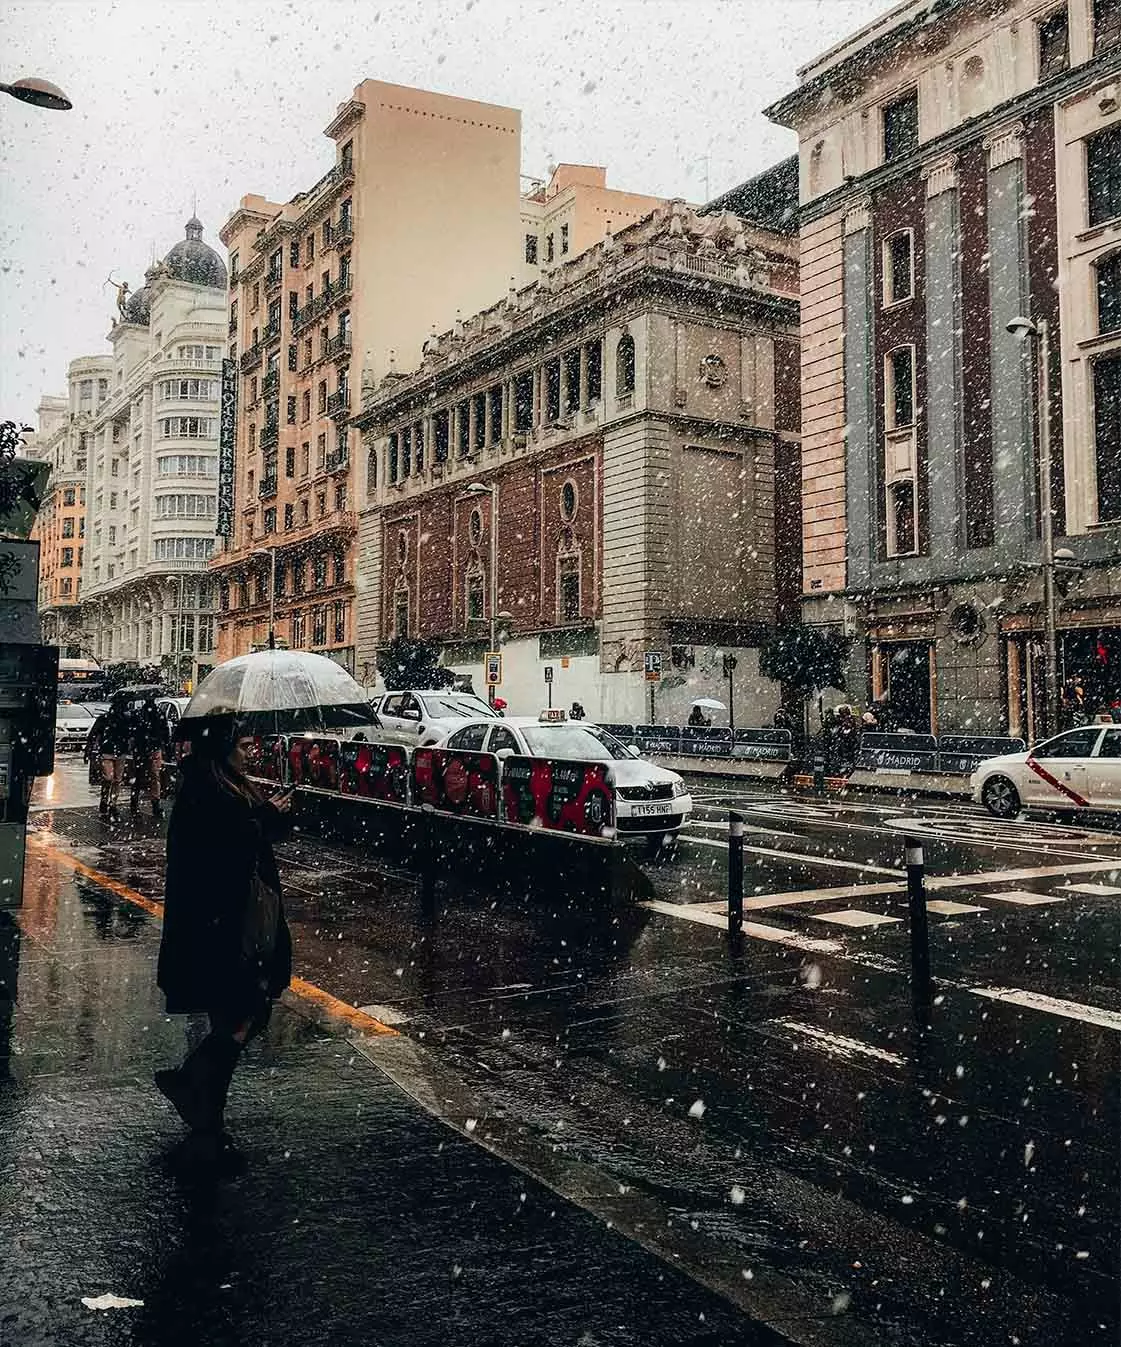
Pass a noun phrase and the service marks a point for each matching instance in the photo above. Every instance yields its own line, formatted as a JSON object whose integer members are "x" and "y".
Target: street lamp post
{"x": 270, "y": 552}
{"x": 1037, "y": 333}
{"x": 39, "y": 93}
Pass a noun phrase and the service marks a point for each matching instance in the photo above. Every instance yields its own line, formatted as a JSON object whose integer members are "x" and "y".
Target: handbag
{"x": 262, "y": 921}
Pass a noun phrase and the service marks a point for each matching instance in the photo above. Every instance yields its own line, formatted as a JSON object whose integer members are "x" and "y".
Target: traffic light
{"x": 730, "y": 662}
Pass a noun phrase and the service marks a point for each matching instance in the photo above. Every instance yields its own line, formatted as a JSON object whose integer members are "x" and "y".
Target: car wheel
{"x": 1000, "y": 797}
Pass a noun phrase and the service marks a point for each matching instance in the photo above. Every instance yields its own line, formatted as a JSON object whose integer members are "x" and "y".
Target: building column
{"x": 862, "y": 493}
{"x": 583, "y": 376}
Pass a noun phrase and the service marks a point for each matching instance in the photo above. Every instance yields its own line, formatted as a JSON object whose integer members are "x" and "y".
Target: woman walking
{"x": 225, "y": 950}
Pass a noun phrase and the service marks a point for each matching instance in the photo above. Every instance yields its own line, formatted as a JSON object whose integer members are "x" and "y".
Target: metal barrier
{"x": 961, "y": 753}
{"x": 897, "y": 752}
{"x": 705, "y": 741}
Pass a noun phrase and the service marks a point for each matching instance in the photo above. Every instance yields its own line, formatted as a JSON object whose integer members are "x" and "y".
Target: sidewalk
{"x": 361, "y": 1219}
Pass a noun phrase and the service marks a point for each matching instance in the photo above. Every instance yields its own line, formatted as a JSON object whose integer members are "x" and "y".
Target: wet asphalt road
{"x": 794, "y": 1142}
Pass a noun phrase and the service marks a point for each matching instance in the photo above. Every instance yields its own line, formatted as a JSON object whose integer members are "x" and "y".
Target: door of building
{"x": 907, "y": 683}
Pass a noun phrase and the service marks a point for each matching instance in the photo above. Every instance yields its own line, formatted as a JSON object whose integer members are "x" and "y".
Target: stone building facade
{"x": 593, "y": 463}
{"x": 959, "y": 168}
{"x": 62, "y": 441}
{"x": 152, "y": 465}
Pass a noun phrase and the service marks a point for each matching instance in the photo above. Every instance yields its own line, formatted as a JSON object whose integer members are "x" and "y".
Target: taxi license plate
{"x": 648, "y": 810}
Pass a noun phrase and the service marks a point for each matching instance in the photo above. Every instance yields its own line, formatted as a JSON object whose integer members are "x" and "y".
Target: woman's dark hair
{"x": 212, "y": 740}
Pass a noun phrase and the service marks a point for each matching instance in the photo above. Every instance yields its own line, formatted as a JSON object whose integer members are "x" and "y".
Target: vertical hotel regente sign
{"x": 227, "y": 435}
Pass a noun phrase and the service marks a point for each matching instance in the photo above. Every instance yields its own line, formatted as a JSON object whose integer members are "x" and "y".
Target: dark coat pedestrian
{"x": 226, "y": 949}
{"x": 577, "y": 712}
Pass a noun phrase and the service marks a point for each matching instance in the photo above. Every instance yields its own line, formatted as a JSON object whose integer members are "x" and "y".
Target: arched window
{"x": 624, "y": 365}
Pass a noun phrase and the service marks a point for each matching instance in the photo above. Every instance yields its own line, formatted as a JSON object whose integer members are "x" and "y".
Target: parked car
{"x": 1078, "y": 769}
{"x": 650, "y": 801}
{"x": 425, "y": 717}
{"x": 72, "y": 724}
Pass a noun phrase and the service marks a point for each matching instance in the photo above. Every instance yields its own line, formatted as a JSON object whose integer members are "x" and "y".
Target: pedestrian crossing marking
{"x": 1097, "y": 890}
{"x": 853, "y": 916}
{"x": 1052, "y": 1005}
{"x": 757, "y": 930}
{"x": 943, "y": 907}
{"x": 1025, "y": 898}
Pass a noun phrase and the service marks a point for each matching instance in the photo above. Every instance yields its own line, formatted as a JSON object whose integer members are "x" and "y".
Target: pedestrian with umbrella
{"x": 225, "y": 950}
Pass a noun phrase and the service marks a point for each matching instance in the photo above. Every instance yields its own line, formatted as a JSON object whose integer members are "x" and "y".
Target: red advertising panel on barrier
{"x": 266, "y": 757}
{"x": 456, "y": 782}
{"x": 314, "y": 762}
{"x": 571, "y": 797}
{"x": 375, "y": 771}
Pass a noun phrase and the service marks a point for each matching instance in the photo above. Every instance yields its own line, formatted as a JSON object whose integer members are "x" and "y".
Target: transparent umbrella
{"x": 709, "y": 704}
{"x": 282, "y": 692}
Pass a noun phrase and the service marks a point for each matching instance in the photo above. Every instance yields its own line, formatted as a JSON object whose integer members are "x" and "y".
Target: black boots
{"x": 198, "y": 1088}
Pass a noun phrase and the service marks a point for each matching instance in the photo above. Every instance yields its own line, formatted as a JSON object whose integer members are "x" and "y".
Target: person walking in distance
{"x": 577, "y": 712}
{"x": 225, "y": 950}
{"x": 149, "y": 740}
{"x": 113, "y": 744}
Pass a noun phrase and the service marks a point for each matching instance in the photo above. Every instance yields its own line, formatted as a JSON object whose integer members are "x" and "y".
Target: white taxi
{"x": 650, "y": 801}
{"x": 1078, "y": 769}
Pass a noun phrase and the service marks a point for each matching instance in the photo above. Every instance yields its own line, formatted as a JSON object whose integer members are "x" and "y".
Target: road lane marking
{"x": 1025, "y": 898}
{"x": 1053, "y": 1005}
{"x": 723, "y": 827}
{"x": 775, "y": 934}
{"x": 854, "y": 916}
{"x": 943, "y": 907}
{"x": 304, "y": 991}
{"x": 797, "y": 856}
{"x": 1097, "y": 890}
{"x": 838, "y": 1045}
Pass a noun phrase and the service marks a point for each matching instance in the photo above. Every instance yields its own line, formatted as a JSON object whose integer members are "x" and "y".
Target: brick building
{"x": 592, "y": 462}
{"x": 961, "y": 166}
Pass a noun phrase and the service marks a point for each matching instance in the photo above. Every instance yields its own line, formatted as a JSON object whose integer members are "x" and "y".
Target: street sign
{"x": 548, "y": 673}
{"x": 493, "y": 661}
{"x": 652, "y": 666}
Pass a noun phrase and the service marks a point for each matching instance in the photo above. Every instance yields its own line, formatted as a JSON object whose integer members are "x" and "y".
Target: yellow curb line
{"x": 306, "y": 991}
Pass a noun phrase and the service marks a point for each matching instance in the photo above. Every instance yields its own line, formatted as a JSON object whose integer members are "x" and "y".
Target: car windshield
{"x": 582, "y": 742}
{"x": 458, "y": 708}
{"x": 73, "y": 713}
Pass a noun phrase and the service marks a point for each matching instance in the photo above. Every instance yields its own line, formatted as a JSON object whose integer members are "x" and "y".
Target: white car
{"x": 1078, "y": 769}
{"x": 649, "y": 800}
{"x": 426, "y": 717}
{"x": 72, "y": 724}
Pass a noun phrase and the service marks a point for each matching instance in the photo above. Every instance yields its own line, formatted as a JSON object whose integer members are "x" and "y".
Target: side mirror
{"x": 634, "y": 750}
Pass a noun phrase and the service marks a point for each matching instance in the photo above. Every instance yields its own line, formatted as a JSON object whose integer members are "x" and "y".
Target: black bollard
{"x": 920, "y": 939}
{"x": 735, "y": 874}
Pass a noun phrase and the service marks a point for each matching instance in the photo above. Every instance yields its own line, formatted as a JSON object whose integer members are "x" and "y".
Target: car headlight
{"x": 679, "y": 789}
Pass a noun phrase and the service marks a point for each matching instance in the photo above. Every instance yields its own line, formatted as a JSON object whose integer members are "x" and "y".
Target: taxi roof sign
{"x": 553, "y": 714}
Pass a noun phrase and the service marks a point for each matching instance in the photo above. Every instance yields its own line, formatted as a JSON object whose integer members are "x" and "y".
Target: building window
{"x": 291, "y": 410}
{"x": 67, "y": 586}
{"x": 552, "y": 391}
{"x": 898, "y": 268}
{"x": 319, "y": 571}
{"x": 899, "y": 388}
{"x": 593, "y": 356}
{"x": 293, "y": 304}
{"x": 901, "y": 535}
{"x": 319, "y": 625}
{"x": 550, "y": 248}
{"x": 475, "y": 609}
{"x": 321, "y": 505}
{"x": 1103, "y": 174}
{"x": 68, "y": 528}
{"x": 568, "y": 501}
{"x": 624, "y": 366}
{"x": 463, "y": 429}
{"x": 289, "y": 516}
{"x": 1109, "y": 293}
{"x": 406, "y": 442}
{"x": 1054, "y": 51}
{"x": 67, "y": 556}
{"x": 531, "y": 249}
{"x": 568, "y": 589}
{"x": 1107, "y": 25}
{"x": 523, "y": 402}
{"x": 321, "y": 401}
{"x": 294, "y": 253}
{"x": 1107, "y": 435}
{"x": 494, "y": 397}
{"x": 339, "y": 568}
{"x": 346, "y": 157}
{"x": 68, "y": 496}
{"x": 307, "y": 405}
{"x": 401, "y": 613}
{"x": 479, "y": 419}
{"x": 339, "y": 633}
{"x": 901, "y": 126}
{"x": 298, "y": 568}
{"x": 297, "y": 635}
{"x": 340, "y": 497}
{"x": 321, "y": 452}
{"x": 292, "y": 357}
{"x": 441, "y": 423}
{"x": 270, "y": 519}
{"x": 571, "y": 360}
{"x": 564, "y": 239}
{"x": 305, "y": 458}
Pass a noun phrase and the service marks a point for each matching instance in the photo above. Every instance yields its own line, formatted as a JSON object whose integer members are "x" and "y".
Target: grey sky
{"x": 178, "y": 97}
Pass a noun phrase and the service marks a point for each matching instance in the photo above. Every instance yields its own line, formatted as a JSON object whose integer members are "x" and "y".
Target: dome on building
{"x": 195, "y": 262}
{"x": 138, "y": 306}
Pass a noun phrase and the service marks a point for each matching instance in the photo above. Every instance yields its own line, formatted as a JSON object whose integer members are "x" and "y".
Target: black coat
{"x": 216, "y": 843}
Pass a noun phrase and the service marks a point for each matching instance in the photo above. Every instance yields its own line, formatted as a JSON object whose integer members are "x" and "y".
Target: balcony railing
{"x": 252, "y": 358}
{"x": 272, "y": 331}
{"x": 340, "y": 288}
{"x": 270, "y": 434}
{"x": 338, "y": 459}
{"x": 338, "y": 404}
{"x": 272, "y": 282}
{"x": 313, "y": 308}
{"x": 235, "y": 279}
{"x": 271, "y": 382}
{"x": 233, "y": 327}
{"x": 338, "y": 345}
{"x": 267, "y": 489}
